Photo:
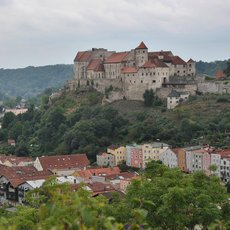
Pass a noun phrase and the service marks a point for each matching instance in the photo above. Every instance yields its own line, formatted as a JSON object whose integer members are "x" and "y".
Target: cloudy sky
{"x": 43, "y": 32}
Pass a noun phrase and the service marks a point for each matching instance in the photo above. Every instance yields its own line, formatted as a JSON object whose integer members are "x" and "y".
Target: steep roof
{"x": 149, "y": 64}
{"x": 160, "y": 53}
{"x": 219, "y": 74}
{"x": 225, "y": 153}
{"x": 190, "y": 61}
{"x": 176, "y": 60}
{"x": 141, "y": 46}
{"x": 15, "y": 160}
{"x": 129, "y": 70}
{"x": 64, "y": 161}
{"x": 83, "y": 56}
{"x": 96, "y": 65}
{"x": 116, "y": 57}
{"x": 19, "y": 175}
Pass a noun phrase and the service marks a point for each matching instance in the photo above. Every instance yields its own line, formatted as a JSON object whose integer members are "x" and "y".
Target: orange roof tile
{"x": 95, "y": 65}
{"x": 64, "y": 161}
{"x": 83, "y": 56}
{"x": 15, "y": 160}
{"x": 129, "y": 70}
{"x": 149, "y": 64}
{"x": 141, "y": 46}
{"x": 176, "y": 60}
{"x": 19, "y": 175}
{"x": 116, "y": 57}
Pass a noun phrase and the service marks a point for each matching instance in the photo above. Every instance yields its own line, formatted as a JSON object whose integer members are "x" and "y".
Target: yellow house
{"x": 119, "y": 153}
{"x": 152, "y": 152}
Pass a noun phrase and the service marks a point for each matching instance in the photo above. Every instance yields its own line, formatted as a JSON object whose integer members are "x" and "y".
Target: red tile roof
{"x": 83, "y": 56}
{"x": 129, "y": 70}
{"x": 96, "y": 65}
{"x": 141, "y": 46}
{"x": 116, "y": 57}
{"x": 98, "y": 187}
{"x": 160, "y": 53}
{"x": 19, "y": 175}
{"x": 149, "y": 64}
{"x": 87, "y": 174}
{"x": 64, "y": 161}
{"x": 176, "y": 60}
{"x": 15, "y": 161}
{"x": 225, "y": 153}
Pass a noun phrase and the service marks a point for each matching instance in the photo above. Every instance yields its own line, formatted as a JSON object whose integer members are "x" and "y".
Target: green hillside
{"x": 77, "y": 122}
{"x": 30, "y": 81}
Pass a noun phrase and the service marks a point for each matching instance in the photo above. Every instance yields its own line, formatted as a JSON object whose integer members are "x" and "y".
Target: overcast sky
{"x": 44, "y": 32}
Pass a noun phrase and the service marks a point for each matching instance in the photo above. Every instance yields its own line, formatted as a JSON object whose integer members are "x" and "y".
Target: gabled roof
{"x": 87, "y": 174}
{"x": 190, "y": 61}
{"x": 83, "y": 56}
{"x": 129, "y": 70}
{"x": 225, "y": 153}
{"x": 116, "y": 57}
{"x": 64, "y": 161}
{"x": 149, "y": 64}
{"x": 19, "y": 175}
{"x": 96, "y": 65}
{"x": 15, "y": 160}
{"x": 141, "y": 46}
{"x": 219, "y": 74}
{"x": 176, "y": 60}
{"x": 160, "y": 53}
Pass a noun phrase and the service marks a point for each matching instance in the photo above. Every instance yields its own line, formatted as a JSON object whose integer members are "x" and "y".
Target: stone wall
{"x": 214, "y": 87}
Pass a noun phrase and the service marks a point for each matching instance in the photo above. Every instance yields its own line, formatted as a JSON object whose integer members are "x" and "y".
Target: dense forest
{"x": 31, "y": 81}
{"x": 210, "y": 68}
{"x": 162, "y": 198}
{"x": 77, "y": 122}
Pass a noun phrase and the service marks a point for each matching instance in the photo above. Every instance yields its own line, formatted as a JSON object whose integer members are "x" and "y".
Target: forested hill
{"x": 210, "y": 68}
{"x": 30, "y": 81}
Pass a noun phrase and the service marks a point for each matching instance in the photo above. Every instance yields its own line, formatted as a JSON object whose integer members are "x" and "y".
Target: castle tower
{"x": 141, "y": 54}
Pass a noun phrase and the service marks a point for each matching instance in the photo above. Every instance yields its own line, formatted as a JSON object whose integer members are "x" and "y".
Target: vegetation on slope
{"x": 77, "y": 122}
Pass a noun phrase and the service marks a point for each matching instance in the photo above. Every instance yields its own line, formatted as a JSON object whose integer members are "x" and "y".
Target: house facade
{"x": 119, "y": 153}
{"x": 105, "y": 159}
{"x": 169, "y": 158}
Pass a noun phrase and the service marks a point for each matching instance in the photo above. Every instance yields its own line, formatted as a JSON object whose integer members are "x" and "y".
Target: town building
{"x": 134, "y": 155}
{"x": 169, "y": 158}
{"x": 181, "y": 158}
{"x": 152, "y": 152}
{"x": 105, "y": 160}
{"x": 119, "y": 153}
{"x": 175, "y": 98}
{"x": 62, "y": 165}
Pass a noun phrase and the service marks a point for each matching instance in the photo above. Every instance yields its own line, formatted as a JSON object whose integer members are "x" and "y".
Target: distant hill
{"x": 30, "y": 81}
{"x": 210, "y": 68}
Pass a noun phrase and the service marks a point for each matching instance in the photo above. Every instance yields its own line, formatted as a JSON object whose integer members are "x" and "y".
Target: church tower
{"x": 141, "y": 54}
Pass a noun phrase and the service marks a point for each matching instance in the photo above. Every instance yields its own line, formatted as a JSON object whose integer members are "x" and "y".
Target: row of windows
{"x": 153, "y": 81}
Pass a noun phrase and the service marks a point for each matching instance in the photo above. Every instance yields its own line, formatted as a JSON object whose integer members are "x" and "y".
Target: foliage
{"x": 31, "y": 81}
{"x": 227, "y": 70}
{"x": 210, "y": 68}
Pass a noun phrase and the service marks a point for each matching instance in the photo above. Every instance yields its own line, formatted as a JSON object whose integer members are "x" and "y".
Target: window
{"x": 141, "y": 81}
{"x": 154, "y": 81}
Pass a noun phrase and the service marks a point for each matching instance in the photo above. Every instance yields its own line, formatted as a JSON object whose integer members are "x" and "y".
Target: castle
{"x": 128, "y": 74}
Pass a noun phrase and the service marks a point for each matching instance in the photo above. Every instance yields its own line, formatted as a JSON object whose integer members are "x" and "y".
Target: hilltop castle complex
{"x": 128, "y": 74}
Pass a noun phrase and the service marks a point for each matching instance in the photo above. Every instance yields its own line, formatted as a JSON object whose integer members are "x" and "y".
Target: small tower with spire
{"x": 141, "y": 54}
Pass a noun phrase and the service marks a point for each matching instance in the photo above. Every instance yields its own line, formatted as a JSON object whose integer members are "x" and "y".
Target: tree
{"x": 227, "y": 70}
{"x": 148, "y": 97}
{"x": 8, "y": 119}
